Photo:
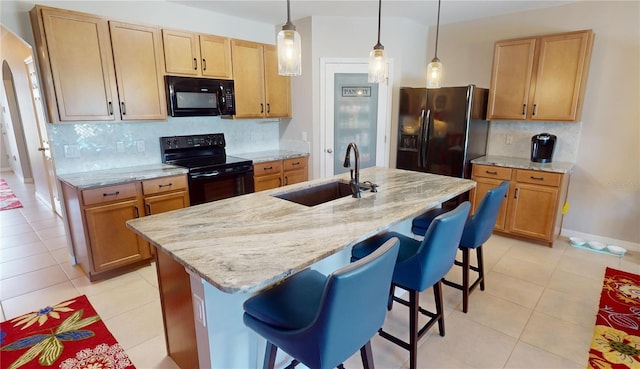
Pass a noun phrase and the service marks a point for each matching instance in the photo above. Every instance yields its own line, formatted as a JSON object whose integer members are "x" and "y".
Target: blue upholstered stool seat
{"x": 322, "y": 320}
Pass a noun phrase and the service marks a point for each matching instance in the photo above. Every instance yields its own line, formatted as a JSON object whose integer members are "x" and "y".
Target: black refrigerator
{"x": 441, "y": 130}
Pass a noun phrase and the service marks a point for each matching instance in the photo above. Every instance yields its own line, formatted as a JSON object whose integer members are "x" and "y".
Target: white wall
{"x": 604, "y": 191}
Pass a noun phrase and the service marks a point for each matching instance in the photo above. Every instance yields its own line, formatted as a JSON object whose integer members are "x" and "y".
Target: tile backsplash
{"x": 97, "y": 146}
{"x": 519, "y": 134}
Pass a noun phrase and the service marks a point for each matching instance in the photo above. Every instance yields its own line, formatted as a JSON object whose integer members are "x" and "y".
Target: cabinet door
{"x": 248, "y": 74}
{"x": 137, "y": 54}
{"x": 81, "y": 66}
{"x": 295, "y": 170}
{"x": 510, "y": 79}
{"x": 561, "y": 74}
{"x": 482, "y": 186}
{"x": 532, "y": 210}
{"x": 167, "y": 202}
{"x": 112, "y": 243}
{"x": 216, "y": 56}
{"x": 267, "y": 182}
{"x": 181, "y": 52}
{"x": 277, "y": 88}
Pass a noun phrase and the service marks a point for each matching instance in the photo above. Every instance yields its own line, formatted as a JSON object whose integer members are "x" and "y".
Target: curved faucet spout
{"x": 355, "y": 179}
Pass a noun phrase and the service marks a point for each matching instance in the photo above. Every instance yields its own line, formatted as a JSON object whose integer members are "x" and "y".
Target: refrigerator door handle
{"x": 421, "y": 137}
{"x": 424, "y": 153}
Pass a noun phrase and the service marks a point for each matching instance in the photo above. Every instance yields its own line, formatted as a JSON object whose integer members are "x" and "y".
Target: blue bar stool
{"x": 323, "y": 320}
{"x": 477, "y": 231}
{"x": 420, "y": 265}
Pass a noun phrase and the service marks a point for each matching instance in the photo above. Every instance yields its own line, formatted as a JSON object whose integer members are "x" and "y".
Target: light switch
{"x": 198, "y": 310}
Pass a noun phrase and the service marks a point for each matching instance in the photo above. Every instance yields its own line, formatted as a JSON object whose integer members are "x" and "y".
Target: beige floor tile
{"x": 631, "y": 263}
{"x": 19, "y": 240}
{"x": 54, "y": 243}
{"x": 84, "y": 285}
{"x": 151, "y": 354}
{"x": 577, "y": 285}
{"x": 575, "y": 309}
{"x": 50, "y": 233}
{"x": 149, "y": 274}
{"x": 526, "y": 270}
{"x": 513, "y": 289}
{"x": 527, "y": 356}
{"x": 25, "y": 265}
{"x": 137, "y": 325}
{"x": 35, "y": 300}
{"x": 15, "y": 229}
{"x": 568, "y": 340}
{"x": 125, "y": 298}
{"x": 535, "y": 253}
{"x": 11, "y": 217}
{"x": 61, "y": 255}
{"x": 47, "y": 223}
{"x": 32, "y": 281}
{"x": 22, "y": 251}
{"x": 586, "y": 264}
{"x": 72, "y": 271}
{"x": 504, "y": 316}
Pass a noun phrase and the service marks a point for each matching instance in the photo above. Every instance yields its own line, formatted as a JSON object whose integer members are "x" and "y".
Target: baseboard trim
{"x": 608, "y": 240}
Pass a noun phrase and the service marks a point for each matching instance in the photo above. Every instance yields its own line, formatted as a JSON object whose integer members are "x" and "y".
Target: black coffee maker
{"x": 542, "y": 146}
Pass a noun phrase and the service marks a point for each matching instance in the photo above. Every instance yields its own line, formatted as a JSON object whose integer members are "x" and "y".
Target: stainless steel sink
{"x": 318, "y": 194}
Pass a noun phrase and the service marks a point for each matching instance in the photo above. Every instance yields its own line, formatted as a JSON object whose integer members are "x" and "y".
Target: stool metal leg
{"x": 367, "y": 356}
{"x": 270, "y": 356}
{"x": 414, "y": 307}
{"x": 480, "y": 267}
{"x": 465, "y": 279}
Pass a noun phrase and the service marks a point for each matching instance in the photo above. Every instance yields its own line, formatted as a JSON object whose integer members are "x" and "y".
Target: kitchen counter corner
{"x": 521, "y": 163}
{"x": 107, "y": 177}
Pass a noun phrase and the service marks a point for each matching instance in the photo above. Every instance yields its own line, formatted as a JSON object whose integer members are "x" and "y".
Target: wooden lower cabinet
{"x": 533, "y": 206}
{"x": 97, "y": 216}
{"x": 278, "y": 173}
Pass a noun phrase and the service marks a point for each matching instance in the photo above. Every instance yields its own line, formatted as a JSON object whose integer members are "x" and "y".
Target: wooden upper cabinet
{"x": 190, "y": 54}
{"x": 540, "y": 78}
{"x": 75, "y": 53}
{"x": 215, "y": 52}
{"x": 260, "y": 91}
{"x": 137, "y": 54}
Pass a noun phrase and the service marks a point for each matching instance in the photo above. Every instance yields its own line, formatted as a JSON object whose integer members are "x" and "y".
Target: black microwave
{"x": 192, "y": 97}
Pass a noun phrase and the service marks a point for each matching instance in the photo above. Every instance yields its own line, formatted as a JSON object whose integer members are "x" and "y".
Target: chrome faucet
{"x": 355, "y": 180}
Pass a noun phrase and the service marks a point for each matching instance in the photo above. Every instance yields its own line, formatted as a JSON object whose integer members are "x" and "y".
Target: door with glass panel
{"x": 354, "y": 111}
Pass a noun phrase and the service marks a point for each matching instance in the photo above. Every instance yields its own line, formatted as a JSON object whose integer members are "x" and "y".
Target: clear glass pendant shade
{"x": 289, "y": 53}
{"x": 377, "y": 65}
{"x": 434, "y": 73}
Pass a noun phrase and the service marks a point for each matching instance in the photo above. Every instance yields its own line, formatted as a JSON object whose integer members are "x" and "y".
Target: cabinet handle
{"x": 535, "y": 109}
{"x": 524, "y": 109}
{"x": 268, "y": 108}
{"x": 515, "y": 194}
{"x": 123, "y": 108}
{"x": 148, "y": 208}
{"x": 111, "y": 194}
{"x": 204, "y": 64}
{"x": 110, "y": 106}
{"x": 537, "y": 178}
{"x": 286, "y": 180}
{"x": 195, "y": 64}
{"x": 268, "y": 168}
{"x": 165, "y": 185}
{"x": 261, "y": 108}
{"x": 279, "y": 182}
{"x": 491, "y": 172}
{"x": 296, "y": 163}
{"x": 135, "y": 207}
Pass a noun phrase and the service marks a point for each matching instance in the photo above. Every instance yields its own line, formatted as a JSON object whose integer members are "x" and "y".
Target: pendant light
{"x": 289, "y": 50}
{"x": 434, "y": 69}
{"x": 377, "y": 57}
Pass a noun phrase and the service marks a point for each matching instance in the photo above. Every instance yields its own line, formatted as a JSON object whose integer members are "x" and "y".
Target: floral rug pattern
{"x": 68, "y": 335}
{"x": 616, "y": 338}
{"x": 8, "y": 199}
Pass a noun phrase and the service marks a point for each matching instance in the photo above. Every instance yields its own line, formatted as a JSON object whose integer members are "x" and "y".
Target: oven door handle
{"x": 205, "y": 175}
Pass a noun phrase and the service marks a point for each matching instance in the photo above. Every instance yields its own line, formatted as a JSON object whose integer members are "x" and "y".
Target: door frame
{"x": 331, "y": 66}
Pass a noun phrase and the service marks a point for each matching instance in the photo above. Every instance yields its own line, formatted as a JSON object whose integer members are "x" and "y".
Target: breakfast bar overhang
{"x": 235, "y": 247}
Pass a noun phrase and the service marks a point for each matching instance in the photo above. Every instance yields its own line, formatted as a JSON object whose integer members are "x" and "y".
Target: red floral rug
{"x": 69, "y": 335}
{"x": 8, "y": 199}
{"x": 616, "y": 337}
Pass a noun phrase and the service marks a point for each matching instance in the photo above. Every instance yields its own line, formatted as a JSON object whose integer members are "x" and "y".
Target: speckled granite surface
{"x": 519, "y": 163}
{"x": 120, "y": 175}
{"x": 243, "y": 244}
{"x": 262, "y": 156}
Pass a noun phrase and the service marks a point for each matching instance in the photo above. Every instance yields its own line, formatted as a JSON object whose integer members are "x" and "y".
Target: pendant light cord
{"x": 288, "y": 12}
{"x": 437, "y": 30}
{"x": 379, "y": 15}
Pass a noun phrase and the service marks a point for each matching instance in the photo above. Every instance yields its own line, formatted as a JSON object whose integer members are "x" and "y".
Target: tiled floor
{"x": 538, "y": 309}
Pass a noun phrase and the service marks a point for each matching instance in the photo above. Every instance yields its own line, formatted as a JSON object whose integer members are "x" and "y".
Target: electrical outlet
{"x": 119, "y": 146}
{"x": 71, "y": 151}
{"x": 140, "y": 145}
{"x": 508, "y": 139}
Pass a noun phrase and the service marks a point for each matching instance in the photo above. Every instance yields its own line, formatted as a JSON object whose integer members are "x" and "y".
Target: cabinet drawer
{"x": 295, "y": 163}
{"x": 164, "y": 184}
{"x": 490, "y": 171}
{"x": 106, "y": 194}
{"x": 538, "y": 177}
{"x": 269, "y": 167}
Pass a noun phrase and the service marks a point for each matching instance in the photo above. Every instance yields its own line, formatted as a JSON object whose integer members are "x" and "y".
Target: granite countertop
{"x": 520, "y": 163}
{"x": 246, "y": 243}
{"x": 120, "y": 175}
{"x": 271, "y": 155}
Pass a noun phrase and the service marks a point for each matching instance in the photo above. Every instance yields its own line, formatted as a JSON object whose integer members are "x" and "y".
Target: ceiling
{"x": 421, "y": 11}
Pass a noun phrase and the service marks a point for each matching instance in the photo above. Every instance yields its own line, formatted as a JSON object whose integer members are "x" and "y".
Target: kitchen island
{"x": 236, "y": 247}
